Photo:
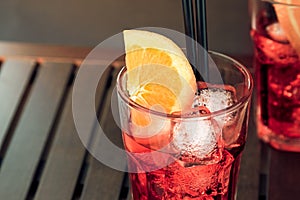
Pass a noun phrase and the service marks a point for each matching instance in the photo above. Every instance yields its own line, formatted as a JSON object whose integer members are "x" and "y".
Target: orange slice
{"x": 159, "y": 76}
{"x": 289, "y": 19}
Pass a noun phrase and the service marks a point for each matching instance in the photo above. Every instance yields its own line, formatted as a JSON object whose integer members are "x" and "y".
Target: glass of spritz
{"x": 193, "y": 154}
{"x": 276, "y": 37}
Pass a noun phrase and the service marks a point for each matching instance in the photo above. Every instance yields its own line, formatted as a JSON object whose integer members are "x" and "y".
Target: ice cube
{"x": 195, "y": 138}
{"x": 218, "y": 97}
{"x": 215, "y": 98}
{"x": 206, "y": 181}
{"x": 276, "y": 33}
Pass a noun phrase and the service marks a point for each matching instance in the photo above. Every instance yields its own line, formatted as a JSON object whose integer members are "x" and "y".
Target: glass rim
{"x": 281, "y": 3}
{"x": 232, "y": 108}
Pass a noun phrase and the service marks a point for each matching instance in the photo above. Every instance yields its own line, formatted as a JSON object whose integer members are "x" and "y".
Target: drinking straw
{"x": 201, "y": 36}
{"x": 189, "y": 26}
{"x": 198, "y": 34}
{"x": 201, "y": 23}
{"x": 188, "y": 18}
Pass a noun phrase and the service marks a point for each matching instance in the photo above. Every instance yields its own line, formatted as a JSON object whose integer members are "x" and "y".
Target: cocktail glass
{"x": 193, "y": 155}
{"x": 276, "y": 37}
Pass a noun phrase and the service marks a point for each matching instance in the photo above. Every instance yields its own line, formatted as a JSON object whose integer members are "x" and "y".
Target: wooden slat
{"x": 103, "y": 182}
{"x": 58, "y": 53}
{"x": 26, "y": 147}
{"x": 67, "y": 153}
{"x": 14, "y": 77}
{"x": 284, "y": 177}
{"x": 42, "y": 50}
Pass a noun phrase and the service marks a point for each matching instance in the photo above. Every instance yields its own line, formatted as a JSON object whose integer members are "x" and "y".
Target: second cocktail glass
{"x": 276, "y": 37}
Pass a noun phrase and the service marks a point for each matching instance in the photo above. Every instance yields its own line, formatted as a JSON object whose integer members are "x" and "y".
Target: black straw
{"x": 188, "y": 11}
{"x": 198, "y": 34}
{"x": 201, "y": 23}
{"x": 201, "y": 31}
{"x": 189, "y": 26}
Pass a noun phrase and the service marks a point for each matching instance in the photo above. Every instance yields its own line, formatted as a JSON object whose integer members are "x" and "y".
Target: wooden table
{"x": 42, "y": 157}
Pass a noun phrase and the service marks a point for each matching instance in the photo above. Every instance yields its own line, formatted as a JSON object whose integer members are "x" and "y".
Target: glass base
{"x": 277, "y": 141}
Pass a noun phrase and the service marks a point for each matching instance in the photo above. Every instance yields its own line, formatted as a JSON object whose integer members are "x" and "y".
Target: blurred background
{"x": 88, "y": 22}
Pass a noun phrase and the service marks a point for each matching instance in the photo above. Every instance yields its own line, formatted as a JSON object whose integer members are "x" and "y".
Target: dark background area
{"x": 88, "y": 22}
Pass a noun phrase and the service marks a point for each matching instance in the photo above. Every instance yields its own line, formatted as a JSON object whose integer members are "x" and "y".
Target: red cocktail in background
{"x": 277, "y": 63}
